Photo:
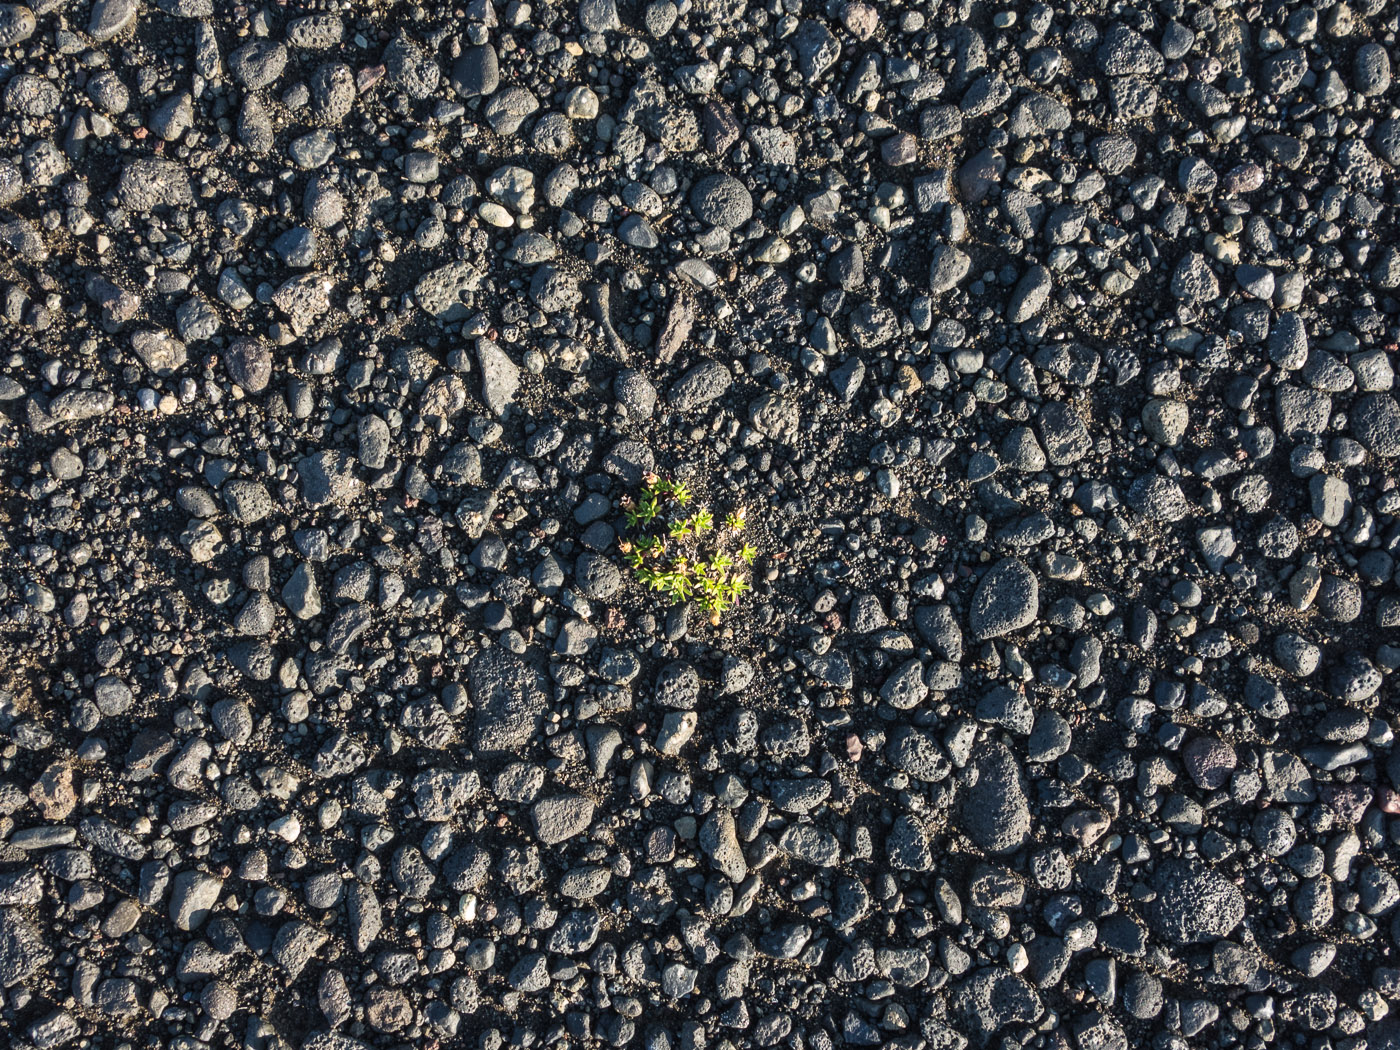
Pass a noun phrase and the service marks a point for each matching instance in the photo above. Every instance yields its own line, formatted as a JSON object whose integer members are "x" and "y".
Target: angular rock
{"x": 500, "y": 377}
{"x": 193, "y": 895}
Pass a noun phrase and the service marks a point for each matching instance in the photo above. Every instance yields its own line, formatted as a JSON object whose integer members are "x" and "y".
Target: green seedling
{"x": 662, "y": 547}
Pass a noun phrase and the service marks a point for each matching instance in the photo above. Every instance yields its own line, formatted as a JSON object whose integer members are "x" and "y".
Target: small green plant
{"x": 662, "y": 547}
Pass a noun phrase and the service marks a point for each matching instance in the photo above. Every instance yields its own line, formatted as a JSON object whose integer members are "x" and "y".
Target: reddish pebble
{"x": 1209, "y": 762}
{"x": 1348, "y": 801}
{"x": 861, "y": 19}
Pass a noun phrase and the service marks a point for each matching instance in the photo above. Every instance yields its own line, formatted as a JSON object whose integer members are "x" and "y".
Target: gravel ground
{"x": 1049, "y": 351}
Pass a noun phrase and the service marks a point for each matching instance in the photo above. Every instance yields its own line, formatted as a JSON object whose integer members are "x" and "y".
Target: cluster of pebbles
{"x": 1050, "y": 350}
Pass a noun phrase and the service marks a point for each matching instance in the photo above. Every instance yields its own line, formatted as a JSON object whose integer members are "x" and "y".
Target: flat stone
{"x": 16, "y": 24}
{"x": 249, "y": 364}
{"x": 476, "y": 71}
{"x": 947, "y": 268}
{"x": 22, "y": 948}
{"x": 994, "y": 811}
{"x": 1194, "y": 903}
{"x": 510, "y": 700}
{"x": 1375, "y": 420}
{"x": 295, "y": 945}
{"x": 1007, "y": 598}
{"x": 147, "y": 183}
{"x": 720, "y": 843}
{"x": 1209, "y": 761}
{"x": 328, "y": 477}
{"x": 811, "y": 845}
{"x": 1330, "y": 498}
{"x": 1193, "y": 280}
{"x": 905, "y": 688}
{"x": 500, "y": 376}
{"x": 699, "y": 386}
{"x": 193, "y": 895}
{"x": 110, "y": 17}
{"x": 561, "y": 818}
{"x": 1063, "y": 433}
{"x": 992, "y": 998}
{"x": 677, "y": 727}
{"x": 443, "y": 292}
{"x": 721, "y": 200}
